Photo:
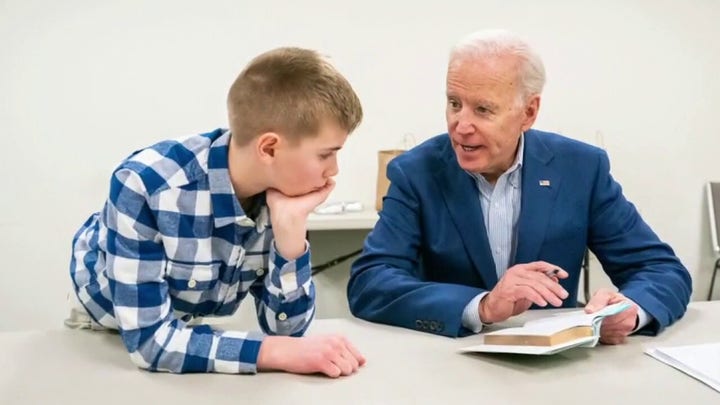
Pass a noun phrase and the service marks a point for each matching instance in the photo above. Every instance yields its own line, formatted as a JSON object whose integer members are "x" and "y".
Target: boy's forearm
{"x": 290, "y": 237}
{"x": 271, "y": 354}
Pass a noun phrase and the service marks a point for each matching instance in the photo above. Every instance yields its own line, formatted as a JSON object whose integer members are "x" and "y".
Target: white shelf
{"x": 345, "y": 221}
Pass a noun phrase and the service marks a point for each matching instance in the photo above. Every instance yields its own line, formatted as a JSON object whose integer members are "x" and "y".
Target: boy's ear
{"x": 267, "y": 144}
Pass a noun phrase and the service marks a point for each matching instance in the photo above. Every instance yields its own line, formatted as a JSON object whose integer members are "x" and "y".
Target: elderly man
{"x": 483, "y": 222}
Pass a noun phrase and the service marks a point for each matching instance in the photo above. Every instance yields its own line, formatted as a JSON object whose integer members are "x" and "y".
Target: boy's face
{"x": 305, "y": 166}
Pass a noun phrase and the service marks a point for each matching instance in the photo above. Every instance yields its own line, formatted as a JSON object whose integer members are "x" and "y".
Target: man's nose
{"x": 464, "y": 123}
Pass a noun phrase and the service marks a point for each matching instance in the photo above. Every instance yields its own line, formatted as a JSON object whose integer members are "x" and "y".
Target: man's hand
{"x": 520, "y": 287}
{"x": 331, "y": 355}
{"x": 616, "y": 328}
{"x": 288, "y": 216}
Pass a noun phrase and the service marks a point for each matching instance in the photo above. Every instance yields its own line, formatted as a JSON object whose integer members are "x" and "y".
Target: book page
{"x": 548, "y": 326}
{"x": 558, "y": 322}
{"x": 537, "y": 350}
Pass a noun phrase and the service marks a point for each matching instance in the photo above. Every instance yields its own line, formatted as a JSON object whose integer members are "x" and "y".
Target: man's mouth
{"x": 470, "y": 148}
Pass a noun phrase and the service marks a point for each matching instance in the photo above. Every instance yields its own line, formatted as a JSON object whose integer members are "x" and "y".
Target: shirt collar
{"x": 225, "y": 205}
{"x": 514, "y": 170}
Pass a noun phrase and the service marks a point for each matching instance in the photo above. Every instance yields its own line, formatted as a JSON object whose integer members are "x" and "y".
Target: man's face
{"x": 484, "y": 113}
{"x": 306, "y": 166}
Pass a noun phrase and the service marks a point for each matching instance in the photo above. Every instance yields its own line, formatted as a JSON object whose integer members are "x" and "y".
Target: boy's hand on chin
{"x": 297, "y": 206}
{"x": 288, "y": 216}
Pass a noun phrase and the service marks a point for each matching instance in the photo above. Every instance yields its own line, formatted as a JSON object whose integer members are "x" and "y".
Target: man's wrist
{"x": 482, "y": 310}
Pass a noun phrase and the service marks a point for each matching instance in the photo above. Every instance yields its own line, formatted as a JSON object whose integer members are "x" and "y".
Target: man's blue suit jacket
{"x": 429, "y": 256}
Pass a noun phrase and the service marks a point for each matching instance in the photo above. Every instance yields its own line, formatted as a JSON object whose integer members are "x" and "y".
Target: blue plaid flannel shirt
{"x": 172, "y": 242}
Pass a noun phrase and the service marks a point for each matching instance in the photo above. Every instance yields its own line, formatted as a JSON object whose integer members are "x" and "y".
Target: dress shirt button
{"x": 282, "y": 316}
{"x": 246, "y": 222}
{"x": 259, "y": 272}
{"x": 192, "y": 283}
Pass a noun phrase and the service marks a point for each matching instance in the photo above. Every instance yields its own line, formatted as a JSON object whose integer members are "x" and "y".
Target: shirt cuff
{"x": 289, "y": 275}
{"x": 643, "y": 318}
{"x": 236, "y": 352}
{"x": 471, "y": 314}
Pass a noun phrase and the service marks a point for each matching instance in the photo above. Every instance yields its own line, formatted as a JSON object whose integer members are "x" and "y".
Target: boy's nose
{"x": 333, "y": 170}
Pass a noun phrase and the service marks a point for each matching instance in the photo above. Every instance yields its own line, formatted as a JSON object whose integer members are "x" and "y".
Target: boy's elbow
{"x": 169, "y": 364}
{"x": 139, "y": 361}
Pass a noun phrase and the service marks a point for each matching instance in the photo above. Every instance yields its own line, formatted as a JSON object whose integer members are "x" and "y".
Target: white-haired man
{"x": 483, "y": 222}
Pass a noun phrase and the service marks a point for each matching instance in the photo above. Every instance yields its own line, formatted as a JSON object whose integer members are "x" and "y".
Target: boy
{"x": 192, "y": 225}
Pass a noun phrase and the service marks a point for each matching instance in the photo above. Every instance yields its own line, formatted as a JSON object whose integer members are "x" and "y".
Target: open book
{"x": 551, "y": 334}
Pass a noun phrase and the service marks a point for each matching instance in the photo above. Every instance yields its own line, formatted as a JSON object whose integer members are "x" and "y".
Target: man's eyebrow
{"x": 482, "y": 102}
{"x": 487, "y": 104}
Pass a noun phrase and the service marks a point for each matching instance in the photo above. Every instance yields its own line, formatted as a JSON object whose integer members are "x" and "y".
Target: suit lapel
{"x": 463, "y": 203}
{"x": 540, "y": 186}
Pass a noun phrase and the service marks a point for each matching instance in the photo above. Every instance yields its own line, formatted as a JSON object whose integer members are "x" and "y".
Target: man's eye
{"x": 325, "y": 156}
{"x": 453, "y": 104}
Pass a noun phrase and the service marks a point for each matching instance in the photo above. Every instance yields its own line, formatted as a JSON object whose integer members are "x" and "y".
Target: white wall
{"x": 83, "y": 83}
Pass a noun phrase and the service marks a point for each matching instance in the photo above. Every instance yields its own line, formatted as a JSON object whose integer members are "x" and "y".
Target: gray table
{"x": 404, "y": 366}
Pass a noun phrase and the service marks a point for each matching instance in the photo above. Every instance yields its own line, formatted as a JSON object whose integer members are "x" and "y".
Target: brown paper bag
{"x": 384, "y": 157}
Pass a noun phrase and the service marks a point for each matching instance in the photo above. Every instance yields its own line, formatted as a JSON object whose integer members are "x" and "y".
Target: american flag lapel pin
{"x": 545, "y": 183}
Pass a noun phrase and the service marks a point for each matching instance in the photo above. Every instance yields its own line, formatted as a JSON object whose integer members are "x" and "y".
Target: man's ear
{"x": 531, "y": 112}
{"x": 266, "y": 145}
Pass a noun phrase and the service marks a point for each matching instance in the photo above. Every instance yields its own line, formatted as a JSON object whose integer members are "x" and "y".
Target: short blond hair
{"x": 293, "y": 92}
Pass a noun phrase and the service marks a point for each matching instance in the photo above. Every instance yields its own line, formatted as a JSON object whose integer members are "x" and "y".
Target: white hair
{"x": 500, "y": 42}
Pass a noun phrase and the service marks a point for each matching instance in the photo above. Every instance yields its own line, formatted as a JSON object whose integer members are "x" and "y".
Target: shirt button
{"x": 282, "y": 316}
{"x": 259, "y": 272}
{"x": 246, "y": 222}
{"x": 192, "y": 283}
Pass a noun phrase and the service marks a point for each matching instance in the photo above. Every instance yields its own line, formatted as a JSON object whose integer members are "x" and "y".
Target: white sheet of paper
{"x": 701, "y": 362}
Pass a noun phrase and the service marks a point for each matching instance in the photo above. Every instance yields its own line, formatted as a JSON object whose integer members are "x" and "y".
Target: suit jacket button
{"x": 418, "y": 324}
{"x": 433, "y": 325}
